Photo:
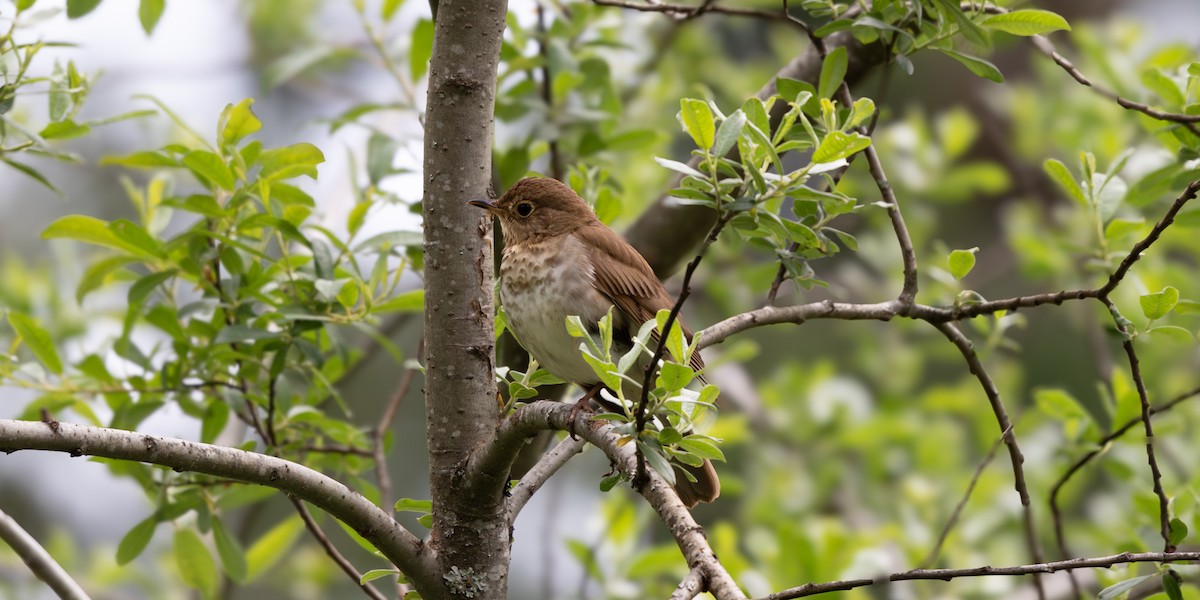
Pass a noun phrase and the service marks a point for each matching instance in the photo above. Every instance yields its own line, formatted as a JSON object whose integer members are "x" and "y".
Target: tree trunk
{"x": 470, "y": 531}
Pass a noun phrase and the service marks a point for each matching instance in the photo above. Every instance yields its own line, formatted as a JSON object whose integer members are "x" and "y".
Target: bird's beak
{"x": 487, "y": 205}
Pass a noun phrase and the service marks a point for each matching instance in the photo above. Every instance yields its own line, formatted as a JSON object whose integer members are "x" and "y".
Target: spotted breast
{"x": 541, "y": 284}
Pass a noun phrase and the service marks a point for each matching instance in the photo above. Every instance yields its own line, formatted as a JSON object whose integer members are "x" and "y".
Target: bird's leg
{"x": 580, "y": 405}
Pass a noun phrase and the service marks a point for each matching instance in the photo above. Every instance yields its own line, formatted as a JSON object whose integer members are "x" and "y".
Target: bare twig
{"x": 385, "y": 423}
{"x": 1099, "y": 562}
{"x": 1046, "y": 47}
{"x": 688, "y": 12}
{"x": 402, "y": 548}
{"x": 493, "y": 460}
{"x": 40, "y": 563}
{"x": 690, "y": 586}
{"x": 541, "y": 472}
{"x": 1101, "y": 446}
{"x": 1135, "y": 370}
{"x": 1007, "y": 434}
{"x": 556, "y": 166}
{"x": 953, "y": 520}
{"x": 332, "y": 550}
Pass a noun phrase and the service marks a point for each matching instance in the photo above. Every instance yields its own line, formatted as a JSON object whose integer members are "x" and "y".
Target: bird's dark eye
{"x": 524, "y": 209}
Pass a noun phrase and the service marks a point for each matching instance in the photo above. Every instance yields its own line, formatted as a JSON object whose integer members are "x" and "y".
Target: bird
{"x": 560, "y": 260}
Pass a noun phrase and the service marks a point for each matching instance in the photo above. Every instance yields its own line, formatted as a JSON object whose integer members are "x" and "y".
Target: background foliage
{"x": 227, "y": 280}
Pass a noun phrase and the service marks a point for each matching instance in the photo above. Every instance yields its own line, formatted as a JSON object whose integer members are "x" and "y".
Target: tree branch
{"x": 541, "y": 472}
{"x": 1010, "y": 439}
{"x": 536, "y": 416}
{"x": 1100, "y": 562}
{"x": 691, "y": 586}
{"x": 332, "y": 551}
{"x": 40, "y": 563}
{"x": 402, "y": 548}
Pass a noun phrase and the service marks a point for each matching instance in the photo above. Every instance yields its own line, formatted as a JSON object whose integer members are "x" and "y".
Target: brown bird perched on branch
{"x": 560, "y": 260}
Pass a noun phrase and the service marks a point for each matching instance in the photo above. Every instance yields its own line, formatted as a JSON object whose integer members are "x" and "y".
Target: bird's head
{"x": 536, "y": 208}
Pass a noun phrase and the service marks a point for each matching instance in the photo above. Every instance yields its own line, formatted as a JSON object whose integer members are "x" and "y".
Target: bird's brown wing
{"x": 622, "y": 275}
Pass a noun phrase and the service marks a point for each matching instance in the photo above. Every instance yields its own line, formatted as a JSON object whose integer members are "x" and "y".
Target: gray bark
{"x": 470, "y": 528}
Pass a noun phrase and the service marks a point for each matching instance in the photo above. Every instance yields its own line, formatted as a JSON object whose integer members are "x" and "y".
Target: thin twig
{"x": 652, "y": 366}
{"x": 1135, "y": 370}
{"x": 40, "y": 563}
{"x": 385, "y": 423}
{"x": 1099, "y": 562}
{"x": 332, "y": 550}
{"x": 1101, "y": 446}
{"x": 687, "y": 12}
{"x": 556, "y": 167}
{"x": 1007, "y": 434}
{"x": 953, "y": 520}
{"x": 541, "y": 472}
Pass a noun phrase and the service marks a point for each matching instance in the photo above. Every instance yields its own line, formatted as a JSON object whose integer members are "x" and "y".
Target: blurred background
{"x": 848, "y": 443}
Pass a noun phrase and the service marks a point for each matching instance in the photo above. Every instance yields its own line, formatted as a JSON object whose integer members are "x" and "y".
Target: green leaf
{"x": 272, "y": 547}
{"x": 136, "y": 540}
{"x": 243, "y": 333}
{"x": 1119, "y": 228}
{"x": 195, "y": 563}
{"x": 64, "y": 130}
{"x": 233, "y": 558}
{"x": 78, "y": 8}
{"x": 1158, "y": 304}
{"x": 410, "y": 301}
{"x": 675, "y": 376}
{"x": 656, "y": 460}
{"x": 970, "y": 30}
{"x": 389, "y": 8}
{"x": 149, "y": 12}
{"x": 411, "y": 505}
{"x": 210, "y": 169}
{"x": 976, "y": 65}
{"x": 143, "y": 160}
{"x": 292, "y": 161}
{"x": 374, "y": 574}
{"x": 839, "y": 145}
{"x": 728, "y": 132}
{"x": 678, "y": 167}
{"x": 140, "y": 290}
{"x": 674, "y": 337}
{"x": 25, "y": 4}
{"x": 1165, "y": 87}
{"x": 833, "y": 71}
{"x": 1058, "y": 404}
{"x": 216, "y": 416}
{"x": 37, "y": 339}
{"x": 422, "y": 49}
{"x": 961, "y": 262}
{"x": 1117, "y": 589}
{"x": 100, "y": 273}
{"x": 702, "y": 447}
{"x": 134, "y": 238}
{"x": 390, "y": 239}
{"x": 1061, "y": 174}
{"x": 788, "y": 89}
{"x": 240, "y": 121}
{"x": 1026, "y": 22}
{"x": 697, "y": 120}
{"x": 1178, "y": 531}
{"x": 32, "y": 173}
{"x": 1170, "y": 584}
{"x": 381, "y": 152}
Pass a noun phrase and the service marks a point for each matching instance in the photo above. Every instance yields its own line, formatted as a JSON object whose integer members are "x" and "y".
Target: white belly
{"x": 539, "y": 301}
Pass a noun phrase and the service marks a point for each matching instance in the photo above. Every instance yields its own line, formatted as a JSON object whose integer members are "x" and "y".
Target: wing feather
{"x": 624, "y": 277}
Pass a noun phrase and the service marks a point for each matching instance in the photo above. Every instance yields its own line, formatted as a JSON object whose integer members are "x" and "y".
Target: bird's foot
{"x": 582, "y": 405}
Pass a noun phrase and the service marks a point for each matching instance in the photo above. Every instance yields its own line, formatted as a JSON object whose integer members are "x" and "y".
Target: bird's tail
{"x": 705, "y": 488}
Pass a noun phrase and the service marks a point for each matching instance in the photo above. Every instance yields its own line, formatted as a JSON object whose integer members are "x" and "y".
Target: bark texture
{"x": 470, "y": 528}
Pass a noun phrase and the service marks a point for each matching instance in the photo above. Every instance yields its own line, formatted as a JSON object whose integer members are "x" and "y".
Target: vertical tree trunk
{"x": 470, "y": 532}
